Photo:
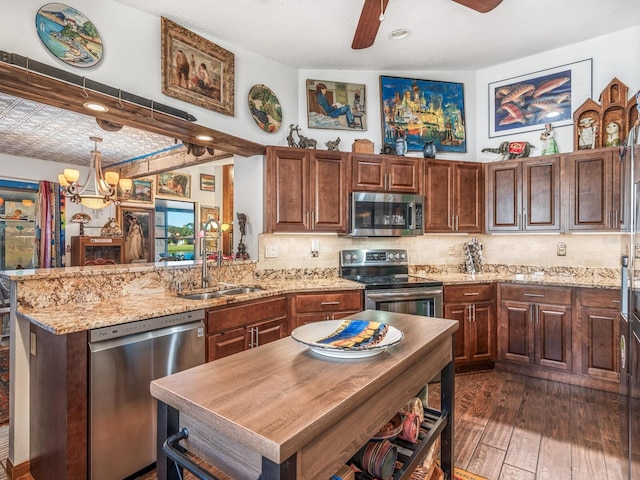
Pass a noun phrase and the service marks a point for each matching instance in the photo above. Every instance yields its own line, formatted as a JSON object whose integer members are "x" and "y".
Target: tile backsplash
{"x": 582, "y": 250}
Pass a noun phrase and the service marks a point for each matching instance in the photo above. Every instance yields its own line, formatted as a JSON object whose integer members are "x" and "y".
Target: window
{"x": 174, "y": 238}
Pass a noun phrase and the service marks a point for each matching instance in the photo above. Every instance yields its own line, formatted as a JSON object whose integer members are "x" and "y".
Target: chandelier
{"x": 100, "y": 188}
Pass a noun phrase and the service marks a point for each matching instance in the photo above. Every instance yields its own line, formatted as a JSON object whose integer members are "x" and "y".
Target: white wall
{"x": 371, "y": 80}
{"x": 613, "y": 55}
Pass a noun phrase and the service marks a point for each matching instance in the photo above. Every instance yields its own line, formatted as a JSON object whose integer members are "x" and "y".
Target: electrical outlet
{"x": 562, "y": 249}
{"x": 271, "y": 251}
{"x": 452, "y": 250}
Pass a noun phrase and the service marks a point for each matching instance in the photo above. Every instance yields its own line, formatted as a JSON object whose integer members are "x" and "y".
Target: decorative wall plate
{"x": 265, "y": 108}
{"x": 69, "y": 35}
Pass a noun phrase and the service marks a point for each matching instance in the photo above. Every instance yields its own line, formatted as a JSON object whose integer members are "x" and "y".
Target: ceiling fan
{"x": 373, "y": 14}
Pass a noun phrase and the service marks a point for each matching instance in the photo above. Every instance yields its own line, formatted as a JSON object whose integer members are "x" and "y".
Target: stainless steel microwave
{"x": 386, "y": 214}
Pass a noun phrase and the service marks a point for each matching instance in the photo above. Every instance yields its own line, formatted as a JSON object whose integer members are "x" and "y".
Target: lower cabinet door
{"x": 227, "y": 343}
{"x": 600, "y": 337}
{"x": 553, "y": 324}
{"x": 516, "y": 336}
{"x": 482, "y": 343}
{"x": 265, "y": 332}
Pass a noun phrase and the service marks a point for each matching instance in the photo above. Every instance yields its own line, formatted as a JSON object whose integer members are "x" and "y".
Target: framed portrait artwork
{"x": 528, "y": 102}
{"x": 196, "y": 70}
{"x": 336, "y": 105}
{"x": 137, "y": 225}
{"x": 207, "y": 213}
{"x": 142, "y": 191}
{"x": 422, "y": 111}
{"x": 173, "y": 184}
{"x": 207, "y": 182}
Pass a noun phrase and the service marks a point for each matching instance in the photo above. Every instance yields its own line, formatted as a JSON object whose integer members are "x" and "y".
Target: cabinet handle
{"x": 524, "y": 221}
{"x": 312, "y": 225}
{"x": 469, "y": 294}
{"x": 537, "y": 307}
{"x": 531, "y": 313}
{"x": 306, "y": 220}
{"x": 534, "y": 295}
{"x": 474, "y": 312}
{"x": 519, "y": 225}
{"x": 330, "y": 303}
{"x": 616, "y": 220}
{"x": 608, "y": 220}
{"x": 256, "y": 338}
{"x": 468, "y": 307}
{"x": 457, "y": 223}
{"x": 250, "y": 337}
{"x": 615, "y": 301}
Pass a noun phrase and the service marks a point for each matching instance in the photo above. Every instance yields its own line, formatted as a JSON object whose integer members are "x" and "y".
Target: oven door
{"x": 416, "y": 301}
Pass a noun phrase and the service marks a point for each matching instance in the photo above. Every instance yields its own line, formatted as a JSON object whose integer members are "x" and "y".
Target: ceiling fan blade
{"x": 482, "y": 6}
{"x": 369, "y": 23}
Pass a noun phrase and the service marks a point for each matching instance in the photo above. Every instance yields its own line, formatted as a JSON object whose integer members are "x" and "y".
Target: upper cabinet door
{"x": 591, "y": 191}
{"x": 524, "y": 195}
{"x": 329, "y": 194}
{"x": 541, "y": 194}
{"x": 287, "y": 190}
{"x": 386, "y": 173}
{"x": 454, "y": 196}
{"x": 504, "y": 196}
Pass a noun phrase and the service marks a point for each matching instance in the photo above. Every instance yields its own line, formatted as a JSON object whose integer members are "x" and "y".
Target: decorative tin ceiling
{"x": 30, "y": 129}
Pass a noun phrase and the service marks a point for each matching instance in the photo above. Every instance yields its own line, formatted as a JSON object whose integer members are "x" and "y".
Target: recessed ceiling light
{"x": 399, "y": 34}
{"x": 96, "y": 107}
{"x": 205, "y": 138}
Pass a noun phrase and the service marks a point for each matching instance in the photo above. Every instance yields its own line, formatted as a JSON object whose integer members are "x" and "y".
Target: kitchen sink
{"x": 239, "y": 290}
{"x": 201, "y": 295}
{"x": 227, "y": 292}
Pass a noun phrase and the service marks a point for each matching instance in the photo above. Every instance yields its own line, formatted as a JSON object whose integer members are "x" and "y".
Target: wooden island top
{"x": 286, "y": 408}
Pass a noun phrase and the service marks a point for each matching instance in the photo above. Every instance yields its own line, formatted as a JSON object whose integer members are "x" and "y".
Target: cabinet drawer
{"x": 329, "y": 302}
{"x": 600, "y": 298}
{"x": 536, "y": 294}
{"x": 245, "y": 313}
{"x": 469, "y": 293}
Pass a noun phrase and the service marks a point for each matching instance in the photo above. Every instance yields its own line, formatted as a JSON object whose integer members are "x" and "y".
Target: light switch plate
{"x": 271, "y": 251}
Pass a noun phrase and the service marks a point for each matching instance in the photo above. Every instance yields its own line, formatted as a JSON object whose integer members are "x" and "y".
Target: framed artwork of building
{"x": 423, "y": 111}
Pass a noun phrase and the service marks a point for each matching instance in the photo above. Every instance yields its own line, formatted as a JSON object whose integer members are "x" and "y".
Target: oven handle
{"x": 412, "y": 293}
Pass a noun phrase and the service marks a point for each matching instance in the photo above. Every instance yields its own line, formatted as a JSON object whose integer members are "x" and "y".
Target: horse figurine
{"x": 305, "y": 142}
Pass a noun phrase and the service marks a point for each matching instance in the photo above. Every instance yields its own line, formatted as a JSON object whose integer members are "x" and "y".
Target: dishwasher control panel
{"x": 147, "y": 325}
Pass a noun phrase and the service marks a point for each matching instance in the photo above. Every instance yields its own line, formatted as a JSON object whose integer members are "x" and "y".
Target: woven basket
{"x": 362, "y": 145}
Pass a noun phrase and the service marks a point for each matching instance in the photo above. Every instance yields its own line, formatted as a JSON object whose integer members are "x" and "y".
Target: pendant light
{"x": 100, "y": 188}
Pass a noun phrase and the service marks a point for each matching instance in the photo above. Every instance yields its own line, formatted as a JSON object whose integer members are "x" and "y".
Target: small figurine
{"x": 292, "y": 143}
{"x": 549, "y": 145}
{"x": 511, "y": 150}
{"x": 333, "y": 144}
{"x": 587, "y": 133}
{"x": 111, "y": 229}
{"x": 613, "y": 135}
{"x": 305, "y": 142}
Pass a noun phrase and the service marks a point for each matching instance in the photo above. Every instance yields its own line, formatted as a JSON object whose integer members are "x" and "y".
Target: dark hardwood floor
{"x": 513, "y": 427}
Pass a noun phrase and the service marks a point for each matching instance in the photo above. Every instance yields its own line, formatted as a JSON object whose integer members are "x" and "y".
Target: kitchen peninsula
{"x": 286, "y": 412}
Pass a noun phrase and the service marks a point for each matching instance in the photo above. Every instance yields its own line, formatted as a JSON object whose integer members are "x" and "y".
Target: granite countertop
{"x": 62, "y": 319}
{"x": 590, "y": 281}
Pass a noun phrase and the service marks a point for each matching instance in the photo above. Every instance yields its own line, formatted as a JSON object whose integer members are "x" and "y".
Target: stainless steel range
{"x": 388, "y": 285}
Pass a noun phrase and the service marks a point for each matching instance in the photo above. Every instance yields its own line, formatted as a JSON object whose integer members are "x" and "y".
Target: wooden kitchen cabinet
{"x": 535, "y": 326}
{"x": 329, "y": 305}
{"x": 306, "y": 190}
{"x": 524, "y": 195}
{"x": 474, "y": 307}
{"x": 597, "y": 191}
{"x": 454, "y": 196}
{"x": 599, "y": 317}
{"x": 234, "y": 328}
{"x": 386, "y": 173}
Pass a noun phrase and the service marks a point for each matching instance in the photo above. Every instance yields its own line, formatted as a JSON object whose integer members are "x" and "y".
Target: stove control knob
{"x": 354, "y": 257}
{"x": 402, "y": 256}
{"x": 347, "y": 257}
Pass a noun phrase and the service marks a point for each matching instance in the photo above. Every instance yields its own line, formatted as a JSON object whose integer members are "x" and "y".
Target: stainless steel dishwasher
{"x": 124, "y": 359}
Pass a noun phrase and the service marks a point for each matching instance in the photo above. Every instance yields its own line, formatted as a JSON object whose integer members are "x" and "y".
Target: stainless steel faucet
{"x": 203, "y": 249}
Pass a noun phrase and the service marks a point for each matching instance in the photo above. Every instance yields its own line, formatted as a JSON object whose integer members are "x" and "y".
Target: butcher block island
{"x": 284, "y": 411}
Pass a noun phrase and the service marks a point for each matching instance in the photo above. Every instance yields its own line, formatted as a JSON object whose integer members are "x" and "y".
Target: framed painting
{"x": 137, "y": 225}
{"x": 265, "y": 108}
{"x": 141, "y": 192}
{"x": 422, "y": 111}
{"x": 526, "y": 103}
{"x": 207, "y": 182}
{"x": 196, "y": 70}
{"x": 336, "y": 105}
{"x": 208, "y": 213}
{"x": 174, "y": 184}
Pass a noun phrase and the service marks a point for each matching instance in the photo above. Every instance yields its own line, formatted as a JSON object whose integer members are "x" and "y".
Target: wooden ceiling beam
{"x": 165, "y": 162}
{"x": 30, "y": 85}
